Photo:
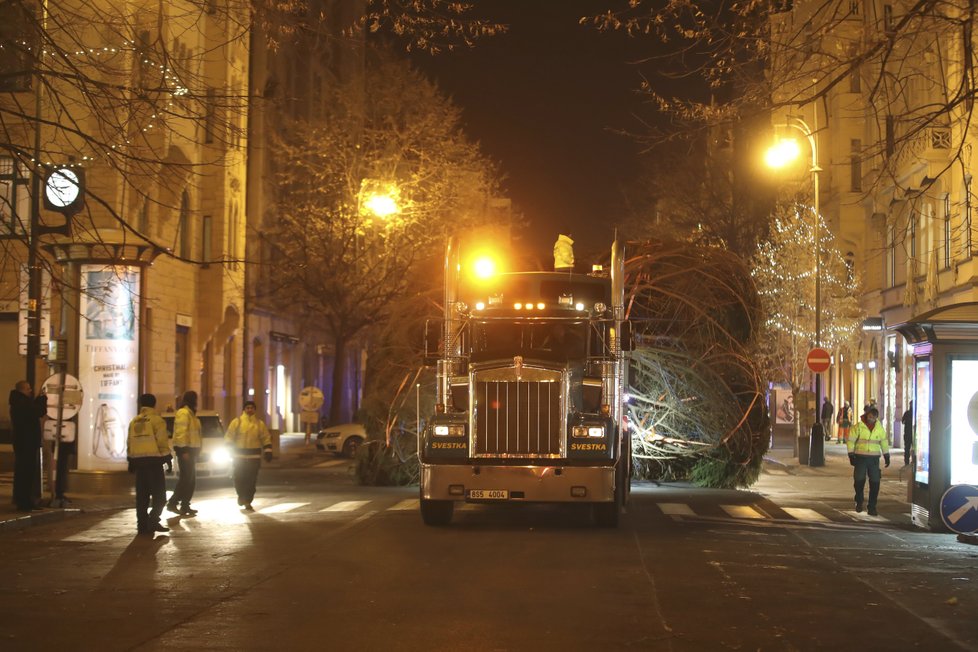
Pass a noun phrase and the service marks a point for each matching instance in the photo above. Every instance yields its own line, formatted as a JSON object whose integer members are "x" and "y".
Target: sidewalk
{"x": 782, "y": 476}
{"x": 291, "y": 448}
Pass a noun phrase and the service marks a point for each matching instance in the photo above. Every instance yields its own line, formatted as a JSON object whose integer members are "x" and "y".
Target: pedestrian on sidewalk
{"x": 148, "y": 449}
{"x": 845, "y": 422}
{"x": 868, "y": 442}
{"x": 828, "y": 411}
{"x": 250, "y": 439}
{"x": 186, "y": 444}
{"x": 907, "y": 422}
{"x": 25, "y": 421}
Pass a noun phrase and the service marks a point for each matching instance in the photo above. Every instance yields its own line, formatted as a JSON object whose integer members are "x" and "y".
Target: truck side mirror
{"x": 432, "y": 342}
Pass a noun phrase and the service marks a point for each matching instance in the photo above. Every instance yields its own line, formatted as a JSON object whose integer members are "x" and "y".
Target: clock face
{"x": 62, "y": 187}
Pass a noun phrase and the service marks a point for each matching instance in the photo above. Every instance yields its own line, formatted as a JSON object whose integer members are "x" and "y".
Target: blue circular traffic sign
{"x": 959, "y": 508}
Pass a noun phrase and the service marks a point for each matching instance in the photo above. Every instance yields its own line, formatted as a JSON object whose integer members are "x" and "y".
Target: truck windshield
{"x": 549, "y": 340}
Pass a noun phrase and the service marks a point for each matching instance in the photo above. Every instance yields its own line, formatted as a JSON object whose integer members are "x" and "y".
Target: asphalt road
{"x": 326, "y": 565}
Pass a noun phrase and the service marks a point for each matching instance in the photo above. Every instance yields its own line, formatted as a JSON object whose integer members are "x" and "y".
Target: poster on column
{"x": 108, "y": 364}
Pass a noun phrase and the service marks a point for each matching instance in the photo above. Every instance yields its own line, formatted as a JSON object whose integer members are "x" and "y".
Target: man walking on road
{"x": 186, "y": 444}
{"x": 148, "y": 449}
{"x": 866, "y": 443}
{"x": 250, "y": 439}
{"x": 828, "y": 412}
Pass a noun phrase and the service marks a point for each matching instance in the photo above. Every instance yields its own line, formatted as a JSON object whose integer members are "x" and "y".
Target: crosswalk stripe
{"x": 863, "y": 516}
{"x": 281, "y": 508}
{"x": 675, "y": 509}
{"x": 346, "y": 506}
{"x": 323, "y": 465}
{"x": 805, "y": 514}
{"x": 411, "y": 503}
{"x": 742, "y": 511}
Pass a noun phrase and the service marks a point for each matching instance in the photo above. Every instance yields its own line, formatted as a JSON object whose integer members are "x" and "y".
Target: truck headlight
{"x": 450, "y": 430}
{"x": 587, "y": 431}
{"x": 221, "y": 456}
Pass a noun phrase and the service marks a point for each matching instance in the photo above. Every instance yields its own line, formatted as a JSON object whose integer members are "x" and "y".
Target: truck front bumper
{"x": 547, "y": 484}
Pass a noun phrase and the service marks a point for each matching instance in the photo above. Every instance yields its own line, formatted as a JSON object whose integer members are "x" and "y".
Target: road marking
{"x": 346, "y": 506}
{"x": 863, "y": 516}
{"x": 411, "y": 503}
{"x": 324, "y": 465}
{"x": 281, "y": 508}
{"x": 805, "y": 514}
{"x": 675, "y": 509}
{"x": 742, "y": 511}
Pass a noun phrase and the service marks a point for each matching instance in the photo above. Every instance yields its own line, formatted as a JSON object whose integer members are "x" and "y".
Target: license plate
{"x": 488, "y": 494}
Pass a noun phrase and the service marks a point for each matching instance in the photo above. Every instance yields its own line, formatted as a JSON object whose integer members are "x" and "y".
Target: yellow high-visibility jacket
{"x": 249, "y": 436}
{"x": 147, "y": 435}
{"x": 186, "y": 429}
{"x": 863, "y": 441}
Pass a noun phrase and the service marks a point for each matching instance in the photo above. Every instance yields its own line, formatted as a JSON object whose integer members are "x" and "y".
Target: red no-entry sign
{"x": 818, "y": 360}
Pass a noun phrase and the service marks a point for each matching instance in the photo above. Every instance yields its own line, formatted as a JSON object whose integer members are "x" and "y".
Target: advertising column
{"x": 108, "y": 363}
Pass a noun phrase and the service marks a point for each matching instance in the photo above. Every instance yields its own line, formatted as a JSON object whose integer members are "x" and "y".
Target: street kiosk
{"x": 945, "y": 375}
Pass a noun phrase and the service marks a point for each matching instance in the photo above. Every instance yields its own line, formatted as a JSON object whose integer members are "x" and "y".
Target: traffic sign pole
{"x": 818, "y": 361}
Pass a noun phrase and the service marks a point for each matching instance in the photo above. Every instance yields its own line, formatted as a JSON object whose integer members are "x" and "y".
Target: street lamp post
{"x": 779, "y": 155}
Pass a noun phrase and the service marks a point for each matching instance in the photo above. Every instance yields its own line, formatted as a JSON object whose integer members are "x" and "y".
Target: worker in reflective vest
{"x": 148, "y": 449}
{"x": 250, "y": 439}
{"x": 867, "y": 442}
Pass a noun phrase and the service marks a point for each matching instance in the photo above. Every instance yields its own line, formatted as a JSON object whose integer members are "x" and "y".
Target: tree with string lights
{"x": 783, "y": 273}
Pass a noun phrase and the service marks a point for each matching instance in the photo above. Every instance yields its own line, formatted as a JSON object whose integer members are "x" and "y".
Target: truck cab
{"x": 529, "y": 400}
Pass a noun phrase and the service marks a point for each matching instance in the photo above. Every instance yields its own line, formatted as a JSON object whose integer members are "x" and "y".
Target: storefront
{"x": 945, "y": 392}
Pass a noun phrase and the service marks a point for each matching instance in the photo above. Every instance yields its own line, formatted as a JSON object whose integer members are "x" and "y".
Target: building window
{"x": 181, "y": 360}
{"x": 186, "y": 234}
{"x": 890, "y": 136}
{"x": 891, "y": 267}
{"x": 210, "y": 115}
{"x": 19, "y": 39}
{"x": 206, "y": 225}
{"x": 855, "y": 81}
{"x": 968, "y": 235}
{"x": 142, "y": 224}
{"x": 946, "y": 236}
{"x": 888, "y": 25}
{"x": 855, "y": 166}
{"x": 913, "y": 233}
{"x": 14, "y": 200}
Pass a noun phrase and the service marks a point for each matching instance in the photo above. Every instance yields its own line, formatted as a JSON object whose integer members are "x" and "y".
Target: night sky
{"x": 543, "y": 100}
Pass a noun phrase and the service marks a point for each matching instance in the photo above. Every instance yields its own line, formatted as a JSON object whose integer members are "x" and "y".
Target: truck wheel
{"x": 437, "y": 512}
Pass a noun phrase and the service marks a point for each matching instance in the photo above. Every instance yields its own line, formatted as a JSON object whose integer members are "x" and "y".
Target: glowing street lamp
{"x": 782, "y": 153}
{"x": 378, "y": 199}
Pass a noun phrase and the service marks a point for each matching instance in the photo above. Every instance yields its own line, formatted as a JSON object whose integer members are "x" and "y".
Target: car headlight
{"x": 450, "y": 430}
{"x": 588, "y": 431}
{"x": 221, "y": 456}
{"x": 332, "y": 435}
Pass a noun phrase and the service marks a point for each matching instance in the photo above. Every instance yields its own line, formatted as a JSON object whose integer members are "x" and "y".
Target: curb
{"x": 39, "y": 518}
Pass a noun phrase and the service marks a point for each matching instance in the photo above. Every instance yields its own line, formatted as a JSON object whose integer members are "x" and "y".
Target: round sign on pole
{"x": 311, "y": 399}
{"x": 818, "y": 360}
{"x": 959, "y": 508}
{"x": 71, "y": 393}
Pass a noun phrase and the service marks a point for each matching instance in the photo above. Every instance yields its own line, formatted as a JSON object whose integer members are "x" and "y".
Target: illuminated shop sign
{"x": 922, "y": 408}
{"x": 108, "y": 364}
{"x": 964, "y": 422}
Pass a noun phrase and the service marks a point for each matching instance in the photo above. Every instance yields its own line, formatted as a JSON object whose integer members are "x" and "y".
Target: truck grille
{"x": 517, "y": 418}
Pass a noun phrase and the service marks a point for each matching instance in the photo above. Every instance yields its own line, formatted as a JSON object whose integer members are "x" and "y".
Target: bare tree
{"x": 337, "y": 265}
